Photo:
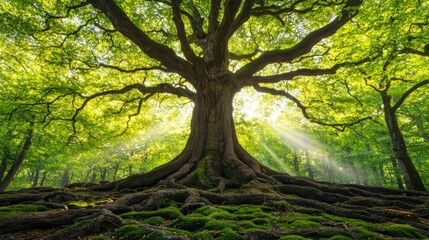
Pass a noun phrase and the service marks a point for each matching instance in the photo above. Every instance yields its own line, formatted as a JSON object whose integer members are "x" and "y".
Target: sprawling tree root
{"x": 371, "y": 204}
{"x": 215, "y": 181}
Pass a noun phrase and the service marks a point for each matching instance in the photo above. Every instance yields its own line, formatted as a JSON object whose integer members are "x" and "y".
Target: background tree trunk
{"x": 396, "y": 171}
{"x": 65, "y": 177}
{"x": 42, "y": 181}
{"x": 354, "y": 172}
{"x": 36, "y": 178}
{"x": 19, "y": 160}
{"x": 411, "y": 176}
{"x": 296, "y": 160}
{"x": 308, "y": 164}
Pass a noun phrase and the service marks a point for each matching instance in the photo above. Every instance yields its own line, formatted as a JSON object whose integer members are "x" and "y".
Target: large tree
{"x": 195, "y": 53}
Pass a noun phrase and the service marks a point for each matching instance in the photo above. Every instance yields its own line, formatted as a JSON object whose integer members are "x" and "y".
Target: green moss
{"x": 262, "y": 221}
{"x": 293, "y": 237}
{"x": 170, "y": 212}
{"x": 100, "y": 237}
{"x": 203, "y": 235}
{"x": 366, "y": 234}
{"x": 242, "y": 209}
{"x": 206, "y": 210}
{"x": 221, "y": 214}
{"x": 339, "y": 237}
{"x": 301, "y": 224}
{"x": 131, "y": 232}
{"x": 193, "y": 223}
{"x": 156, "y": 220}
{"x": 79, "y": 204}
{"x": 307, "y": 210}
{"x": 401, "y": 230}
{"x": 229, "y": 234}
{"x": 199, "y": 177}
{"x": 175, "y": 232}
{"x": 219, "y": 225}
{"x": 247, "y": 225}
{"x": 18, "y": 209}
{"x": 349, "y": 221}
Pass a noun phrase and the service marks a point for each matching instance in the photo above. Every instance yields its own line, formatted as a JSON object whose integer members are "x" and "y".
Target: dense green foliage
{"x": 52, "y": 57}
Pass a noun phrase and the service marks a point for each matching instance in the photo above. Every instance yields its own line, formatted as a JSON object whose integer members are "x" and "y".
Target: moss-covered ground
{"x": 219, "y": 221}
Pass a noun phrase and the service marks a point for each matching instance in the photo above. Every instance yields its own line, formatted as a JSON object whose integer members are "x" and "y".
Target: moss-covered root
{"x": 146, "y": 231}
{"x": 100, "y": 222}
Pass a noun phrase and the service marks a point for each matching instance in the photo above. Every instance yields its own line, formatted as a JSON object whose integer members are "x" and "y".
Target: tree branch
{"x": 243, "y": 16}
{"x": 302, "y": 47}
{"x": 413, "y": 51}
{"x": 337, "y": 126}
{"x": 132, "y": 70}
{"x": 153, "y": 49}
{"x": 213, "y": 16}
{"x": 408, "y": 92}
{"x": 220, "y": 43}
{"x": 300, "y": 72}
{"x": 181, "y": 32}
{"x": 160, "y": 88}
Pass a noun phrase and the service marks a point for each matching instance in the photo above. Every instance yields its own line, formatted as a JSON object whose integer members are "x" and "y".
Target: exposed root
{"x": 100, "y": 222}
{"x": 190, "y": 184}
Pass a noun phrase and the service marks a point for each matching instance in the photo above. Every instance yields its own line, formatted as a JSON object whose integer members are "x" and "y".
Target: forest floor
{"x": 296, "y": 209}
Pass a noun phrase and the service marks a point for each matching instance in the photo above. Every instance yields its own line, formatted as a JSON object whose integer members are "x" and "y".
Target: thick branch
{"x": 131, "y": 70}
{"x": 160, "y": 88}
{"x": 413, "y": 51}
{"x": 338, "y": 126}
{"x": 213, "y": 17}
{"x": 302, "y": 47}
{"x": 244, "y": 15}
{"x": 276, "y": 11}
{"x": 181, "y": 32}
{"x": 221, "y": 42}
{"x": 407, "y": 93}
{"x": 300, "y": 72}
{"x": 155, "y": 50}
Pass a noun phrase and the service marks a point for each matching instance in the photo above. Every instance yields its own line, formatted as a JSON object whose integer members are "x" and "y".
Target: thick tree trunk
{"x": 19, "y": 160}
{"x": 212, "y": 156}
{"x": 411, "y": 176}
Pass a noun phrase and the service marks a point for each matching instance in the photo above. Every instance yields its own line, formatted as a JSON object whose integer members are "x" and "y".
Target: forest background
{"x": 51, "y": 62}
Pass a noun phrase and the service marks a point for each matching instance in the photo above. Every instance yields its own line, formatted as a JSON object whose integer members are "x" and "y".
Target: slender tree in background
{"x": 411, "y": 176}
{"x": 16, "y": 159}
